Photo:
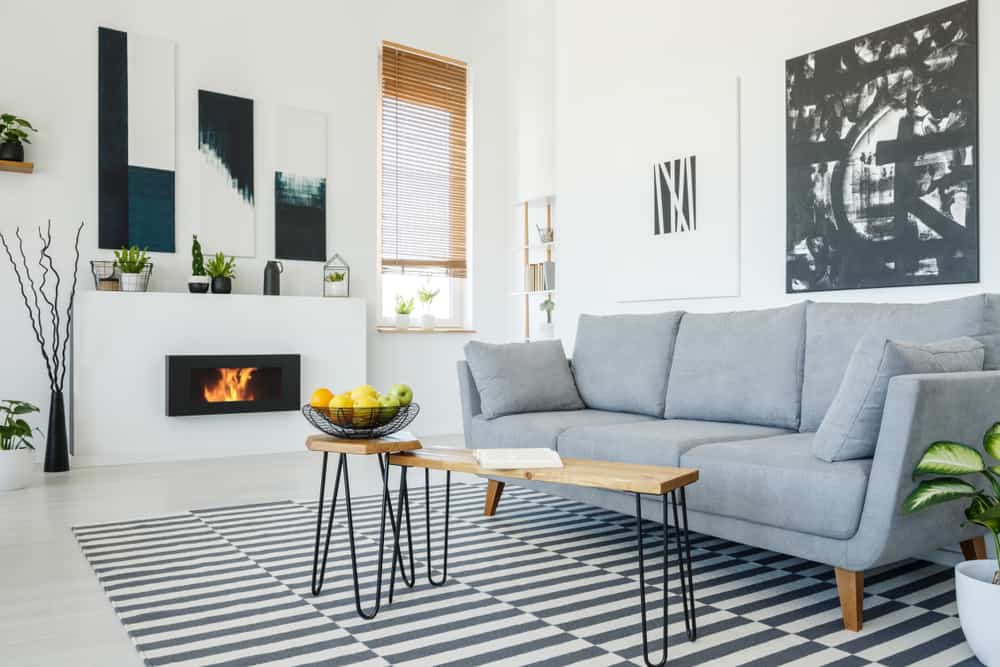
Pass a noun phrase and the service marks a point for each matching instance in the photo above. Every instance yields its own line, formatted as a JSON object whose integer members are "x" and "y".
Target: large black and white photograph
{"x": 674, "y": 196}
{"x": 882, "y": 157}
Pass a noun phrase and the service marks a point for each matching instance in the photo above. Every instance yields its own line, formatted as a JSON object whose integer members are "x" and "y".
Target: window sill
{"x": 418, "y": 330}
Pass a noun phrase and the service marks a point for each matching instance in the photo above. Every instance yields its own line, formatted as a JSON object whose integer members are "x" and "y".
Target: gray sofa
{"x": 739, "y": 396}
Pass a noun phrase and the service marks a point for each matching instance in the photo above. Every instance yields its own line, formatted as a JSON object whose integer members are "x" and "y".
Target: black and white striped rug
{"x": 546, "y": 581}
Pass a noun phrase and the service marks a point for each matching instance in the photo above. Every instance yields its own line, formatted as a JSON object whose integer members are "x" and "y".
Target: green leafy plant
{"x": 952, "y": 459}
{"x": 220, "y": 267}
{"x": 131, "y": 260}
{"x": 427, "y": 295}
{"x": 197, "y": 259}
{"x": 404, "y": 306}
{"x": 335, "y": 277}
{"x": 15, "y": 130}
{"x": 14, "y": 430}
{"x": 547, "y": 307}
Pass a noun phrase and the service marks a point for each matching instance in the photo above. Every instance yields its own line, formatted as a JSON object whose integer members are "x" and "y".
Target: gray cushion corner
{"x": 539, "y": 429}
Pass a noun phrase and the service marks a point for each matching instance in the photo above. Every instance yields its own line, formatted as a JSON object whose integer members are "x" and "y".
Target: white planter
{"x": 132, "y": 282}
{"x": 402, "y": 321}
{"x": 17, "y": 467}
{"x": 199, "y": 284}
{"x": 335, "y": 289}
{"x": 546, "y": 330}
{"x": 428, "y": 321}
{"x": 978, "y": 601}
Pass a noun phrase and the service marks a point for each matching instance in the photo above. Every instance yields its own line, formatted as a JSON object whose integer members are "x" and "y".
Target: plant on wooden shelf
{"x": 427, "y": 296}
{"x": 53, "y": 341}
{"x": 547, "y": 306}
{"x": 404, "y": 307}
{"x": 13, "y": 134}
{"x": 198, "y": 282}
{"x": 222, "y": 271}
{"x": 15, "y": 444}
{"x": 133, "y": 264}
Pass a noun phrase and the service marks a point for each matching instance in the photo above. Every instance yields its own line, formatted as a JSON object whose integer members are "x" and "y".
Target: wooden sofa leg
{"x": 851, "y": 587}
{"x": 493, "y": 491}
{"x": 974, "y": 549}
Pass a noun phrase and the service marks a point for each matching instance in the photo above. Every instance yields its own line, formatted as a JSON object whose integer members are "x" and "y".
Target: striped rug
{"x": 545, "y": 582}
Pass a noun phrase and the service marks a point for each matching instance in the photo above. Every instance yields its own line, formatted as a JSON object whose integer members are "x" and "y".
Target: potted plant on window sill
{"x": 427, "y": 296}
{"x": 222, "y": 271}
{"x": 132, "y": 262}
{"x": 403, "y": 309}
{"x": 13, "y": 136}
{"x": 977, "y": 582}
{"x": 198, "y": 282}
{"x": 16, "y": 451}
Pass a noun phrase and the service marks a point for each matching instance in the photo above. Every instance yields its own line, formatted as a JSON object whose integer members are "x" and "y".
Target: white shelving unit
{"x": 532, "y": 248}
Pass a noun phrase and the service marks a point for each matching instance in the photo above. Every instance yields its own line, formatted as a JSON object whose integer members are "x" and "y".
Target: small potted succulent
{"x": 977, "y": 582}
{"x": 335, "y": 284}
{"x": 133, "y": 262}
{"x": 13, "y": 136}
{"x": 427, "y": 296}
{"x": 547, "y": 306}
{"x": 198, "y": 282}
{"x": 16, "y": 458}
{"x": 222, "y": 271}
{"x": 403, "y": 309}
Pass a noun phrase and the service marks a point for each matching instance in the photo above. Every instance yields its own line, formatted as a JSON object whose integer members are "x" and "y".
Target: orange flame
{"x": 233, "y": 385}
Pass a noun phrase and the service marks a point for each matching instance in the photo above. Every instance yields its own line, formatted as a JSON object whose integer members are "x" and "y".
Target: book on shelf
{"x": 506, "y": 459}
{"x": 540, "y": 277}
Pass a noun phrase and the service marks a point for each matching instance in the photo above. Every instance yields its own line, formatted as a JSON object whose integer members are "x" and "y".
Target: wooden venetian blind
{"x": 423, "y": 140}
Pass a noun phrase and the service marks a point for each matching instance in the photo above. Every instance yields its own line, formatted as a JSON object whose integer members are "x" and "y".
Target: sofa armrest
{"x": 470, "y": 396}
{"x": 920, "y": 409}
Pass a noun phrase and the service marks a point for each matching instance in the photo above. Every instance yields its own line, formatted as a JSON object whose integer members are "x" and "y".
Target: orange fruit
{"x": 321, "y": 398}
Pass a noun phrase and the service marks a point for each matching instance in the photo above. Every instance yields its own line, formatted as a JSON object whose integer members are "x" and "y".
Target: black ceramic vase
{"x": 221, "y": 285}
{"x": 12, "y": 151}
{"x": 56, "y": 443}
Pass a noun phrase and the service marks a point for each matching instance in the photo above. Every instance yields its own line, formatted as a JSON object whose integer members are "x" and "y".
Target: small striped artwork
{"x": 546, "y": 581}
{"x": 674, "y": 196}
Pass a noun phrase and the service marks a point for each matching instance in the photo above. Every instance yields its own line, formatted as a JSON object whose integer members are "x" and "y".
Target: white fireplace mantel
{"x": 121, "y": 340}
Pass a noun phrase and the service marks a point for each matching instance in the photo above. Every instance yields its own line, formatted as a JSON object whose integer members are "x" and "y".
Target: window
{"x": 423, "y": 153}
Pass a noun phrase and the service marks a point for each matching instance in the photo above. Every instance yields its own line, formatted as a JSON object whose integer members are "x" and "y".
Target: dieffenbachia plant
{"x": 954, "y": 458}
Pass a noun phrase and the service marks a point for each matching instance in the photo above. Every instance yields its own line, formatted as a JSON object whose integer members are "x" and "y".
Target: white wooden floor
{"x": 52, "y": 610}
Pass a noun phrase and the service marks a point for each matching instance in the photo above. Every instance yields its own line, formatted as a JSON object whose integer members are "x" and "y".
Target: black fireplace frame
{"x": 178, "y": 393}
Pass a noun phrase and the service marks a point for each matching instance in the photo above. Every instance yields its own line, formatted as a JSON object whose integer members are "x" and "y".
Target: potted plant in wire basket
{"x": 977, "y": 582}
{"x": 222, "y": 271}
{"x": 133, "y": 263}
{"x": 198, "y": 282}
{"x": 404, "y": 307}
{"x": 427, "y": 296}
{"x": 16, "y": 450}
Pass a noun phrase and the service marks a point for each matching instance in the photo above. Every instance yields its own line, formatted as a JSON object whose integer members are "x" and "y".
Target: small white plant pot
{"x": 133, "y": 282}
{"x": 17, "y": 468}
{"x": 402, "y": 321}
{"x": 978, "y": 601}
{"x": 546, "y": 330}
{"x": 199, "y": 284}
{"x": 428, "y": 321}
{"x": 335, "y": 288}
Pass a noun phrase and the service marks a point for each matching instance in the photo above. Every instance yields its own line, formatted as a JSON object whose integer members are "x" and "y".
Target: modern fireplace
{"x": 232, "y": 383}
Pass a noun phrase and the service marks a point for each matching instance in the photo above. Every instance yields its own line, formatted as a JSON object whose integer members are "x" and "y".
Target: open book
{"x": 506, "y": 459}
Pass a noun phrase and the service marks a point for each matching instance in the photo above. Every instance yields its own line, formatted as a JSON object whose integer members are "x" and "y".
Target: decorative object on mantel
{"x": 16, "y": 457}
{"x": 135, "y": 269}
{"x": 272, "y": 277}
{"x": 107, "y": 277}
{"x": 404, "y": 307}
{"x": 336, "y": 277}
{"x": 547, "y": 306}
{"x": 198, "y": 282}
{"x": 52, "y": 342}
{"x": 14, "y": 134}
{"x": 427, "y": 296}
{"x": 222, "y": 271}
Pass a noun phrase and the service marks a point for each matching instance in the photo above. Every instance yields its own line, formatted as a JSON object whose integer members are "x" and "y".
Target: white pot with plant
{"x": 335, "y": 284}
{"x": 547, "y": 330}
{"x": 132, "y": 263}
{"x": 17, "y": 460}
{"x": 199, "y": 281}
{"x": 977, "y": 582}
{"x": 427, "y": 296}
{"x": 404, "y": 307}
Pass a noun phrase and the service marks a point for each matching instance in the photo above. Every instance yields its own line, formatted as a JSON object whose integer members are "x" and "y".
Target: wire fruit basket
{"x": 361, "y": 423}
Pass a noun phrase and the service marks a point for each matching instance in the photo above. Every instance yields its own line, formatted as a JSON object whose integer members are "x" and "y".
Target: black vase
{"x": 12, "y": 151}
{"x": 221, "y": 285}
{"x": 56, "y": 443}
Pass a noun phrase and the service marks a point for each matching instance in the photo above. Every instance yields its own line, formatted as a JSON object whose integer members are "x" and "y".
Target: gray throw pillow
{"x": 851, "y": 425}
{"x": 522, "y": 377}
{"x": 991, "y": 343}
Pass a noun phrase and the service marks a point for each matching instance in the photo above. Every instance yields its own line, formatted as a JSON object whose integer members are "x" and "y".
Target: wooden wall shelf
{"x": 19, "y": 167}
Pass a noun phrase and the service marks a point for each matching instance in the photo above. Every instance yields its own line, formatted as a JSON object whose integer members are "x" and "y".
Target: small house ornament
{"x": 336, "y": 277}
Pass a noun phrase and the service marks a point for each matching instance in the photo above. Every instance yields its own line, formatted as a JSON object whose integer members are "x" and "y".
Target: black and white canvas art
{"x": 300, "y": 186}
{"x": 882, "y": 157}
{"x": 674, "y": 196}
{"x": 226, "y": 156}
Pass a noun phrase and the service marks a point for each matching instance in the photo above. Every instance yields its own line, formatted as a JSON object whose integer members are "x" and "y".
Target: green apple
{"x": 390, "y": 406}
{"x": 402, "y": 393}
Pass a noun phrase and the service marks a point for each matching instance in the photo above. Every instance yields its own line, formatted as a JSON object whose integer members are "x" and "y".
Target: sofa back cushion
{"x": 834, "y": 329}
{"x": 743, "y": 367}
{"x": 851, "y": 425}
{"x": 621, "y": 362}
{"x": 522, "y": 377}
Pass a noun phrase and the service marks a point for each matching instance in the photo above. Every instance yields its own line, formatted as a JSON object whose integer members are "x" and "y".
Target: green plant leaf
{"x": 987, "y": 517}
{"x": 991, "y": 441}
{"x": 936, "y": 491}
{"x": 949, "y": 458}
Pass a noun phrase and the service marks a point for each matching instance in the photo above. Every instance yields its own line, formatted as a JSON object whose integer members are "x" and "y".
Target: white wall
{"x": 313, "y": 54}
{"x": 611, "y": 60}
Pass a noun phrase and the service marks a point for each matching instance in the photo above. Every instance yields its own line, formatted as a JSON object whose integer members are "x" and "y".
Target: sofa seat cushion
{"x": 659, "y": 442}
{"x": 539, "y": 429}
{"x": 778, "y": 482}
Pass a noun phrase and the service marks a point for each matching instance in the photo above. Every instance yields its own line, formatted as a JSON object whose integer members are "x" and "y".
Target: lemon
{"x": 364, "y": 390}
{"x": 321, "y": 398}
{"x": 365, "y": 408}
{"x": 341, "y": 409}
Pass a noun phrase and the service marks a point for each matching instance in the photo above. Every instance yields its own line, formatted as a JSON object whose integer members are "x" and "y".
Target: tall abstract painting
{"x": 225, "y": 149}
{"x": 136, "y": 87}
{"x": 674, "y": 196}
{"x": 883, "y": 157}
{"x": 300, "y": 186}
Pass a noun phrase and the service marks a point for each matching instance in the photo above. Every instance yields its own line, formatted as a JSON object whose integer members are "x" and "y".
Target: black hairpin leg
{"x": 684, "y": 563}
{"x": 317, "y": 582}
{"x": 427, "y": 510}
{"x": 642, "y": 582}
{"x": 402, "y": 505}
